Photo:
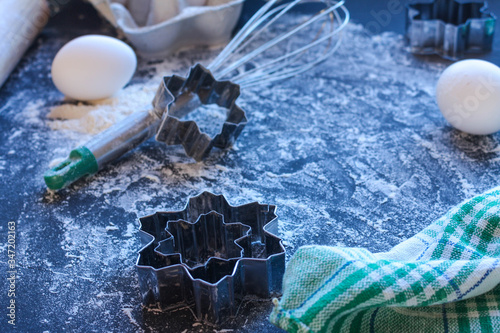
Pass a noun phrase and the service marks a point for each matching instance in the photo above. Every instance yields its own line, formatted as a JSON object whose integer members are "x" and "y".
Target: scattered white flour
{"x": 353, "y": 153}
{"x": 31, "y": 114}
{"x": 95, "y": 117}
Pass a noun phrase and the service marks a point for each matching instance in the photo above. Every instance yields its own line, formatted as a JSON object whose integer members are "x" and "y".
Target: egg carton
{"x": 157, "y": 27}
{"x": 210, "y": 256}
{"x": 450, "y": 28}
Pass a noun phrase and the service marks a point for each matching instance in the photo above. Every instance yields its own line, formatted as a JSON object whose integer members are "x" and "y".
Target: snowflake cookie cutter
{"x": 449, "y": 28}
{"x": 210, "y": 256}
{"x": 177, "y": 96}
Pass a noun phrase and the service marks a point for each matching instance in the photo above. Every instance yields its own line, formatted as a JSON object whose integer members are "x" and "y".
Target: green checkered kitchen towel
{"x": 444, "y": 279}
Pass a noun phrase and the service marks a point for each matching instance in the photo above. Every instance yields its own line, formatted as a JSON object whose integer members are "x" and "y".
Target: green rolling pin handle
{"x": 81, "y": 162}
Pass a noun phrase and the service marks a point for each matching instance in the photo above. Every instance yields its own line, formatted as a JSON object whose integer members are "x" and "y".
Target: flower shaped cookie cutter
{"x": 209, "y": 256}
{"x": 177, "y": 96}
{"x": 450, "y": 28}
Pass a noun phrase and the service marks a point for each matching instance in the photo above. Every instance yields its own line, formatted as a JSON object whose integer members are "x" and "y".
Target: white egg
{"x": 468, "y": 95}
{"x": 93, "y": 67}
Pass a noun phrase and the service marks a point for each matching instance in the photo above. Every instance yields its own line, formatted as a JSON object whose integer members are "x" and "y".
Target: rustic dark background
{"x": 353, "y": 153}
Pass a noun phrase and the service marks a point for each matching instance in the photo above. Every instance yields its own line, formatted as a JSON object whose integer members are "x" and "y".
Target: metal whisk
{"x": 240, "y": 62}
{"x": 332, "y": 19}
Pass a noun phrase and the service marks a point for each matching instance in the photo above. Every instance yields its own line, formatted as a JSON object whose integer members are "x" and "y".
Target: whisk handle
{"x": 103, "y": 148}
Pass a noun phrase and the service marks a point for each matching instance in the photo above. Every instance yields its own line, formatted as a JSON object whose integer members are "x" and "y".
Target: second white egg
{"x": 93, "y": 67}
{"x": 468, "y": 95}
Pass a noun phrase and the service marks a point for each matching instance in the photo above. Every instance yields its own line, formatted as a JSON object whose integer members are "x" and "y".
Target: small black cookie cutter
{"x": 209, "y": 256}
{"x": 449, "y": 28}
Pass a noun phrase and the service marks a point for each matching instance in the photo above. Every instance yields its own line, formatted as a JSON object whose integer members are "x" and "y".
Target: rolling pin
{"x": 20, "y": 22}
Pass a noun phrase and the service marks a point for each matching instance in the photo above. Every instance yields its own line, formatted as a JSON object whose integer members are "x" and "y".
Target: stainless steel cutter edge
{"x": 451, "y": 41}
{"x": 177, "y": 96}
{"x": 165, "y": 281}
{"x": 226, "y": 240}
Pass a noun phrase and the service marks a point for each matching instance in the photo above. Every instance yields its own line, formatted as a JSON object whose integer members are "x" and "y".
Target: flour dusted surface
{"x": 353, "y": 153}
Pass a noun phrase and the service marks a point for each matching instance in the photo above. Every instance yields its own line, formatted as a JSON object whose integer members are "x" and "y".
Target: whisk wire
{"x": 281, "y": 10}
{"x": 288, "y": 64}
{"x": 240, "y": 36}
{"x": 253, "y": 35}
{"x": 288, "y": 68}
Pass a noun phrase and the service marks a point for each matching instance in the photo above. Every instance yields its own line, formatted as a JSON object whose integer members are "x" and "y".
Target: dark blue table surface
{"x": 59, "y": 290}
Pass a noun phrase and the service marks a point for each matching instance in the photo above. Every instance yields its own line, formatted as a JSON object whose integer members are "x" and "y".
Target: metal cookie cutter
{"x": 178, "y": 96}
{"x": 209, "y": 256}
{"x": 450, "y": 28}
